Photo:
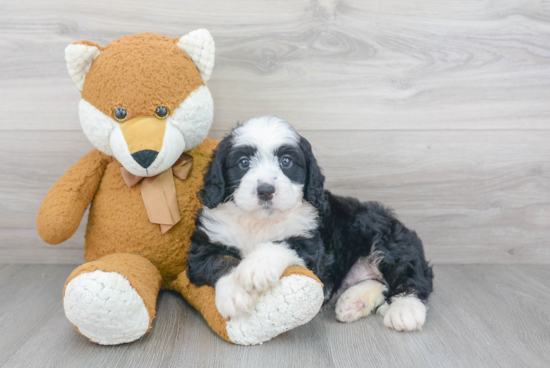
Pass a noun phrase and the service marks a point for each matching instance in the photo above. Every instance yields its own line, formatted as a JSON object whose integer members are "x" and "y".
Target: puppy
{"x": 266, "y": 209}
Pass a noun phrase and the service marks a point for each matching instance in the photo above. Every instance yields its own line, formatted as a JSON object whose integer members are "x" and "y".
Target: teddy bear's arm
{"x": 65, "y": 204}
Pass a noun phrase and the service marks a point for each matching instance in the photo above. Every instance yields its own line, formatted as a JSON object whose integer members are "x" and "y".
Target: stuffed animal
{"x": 147, "y": 110}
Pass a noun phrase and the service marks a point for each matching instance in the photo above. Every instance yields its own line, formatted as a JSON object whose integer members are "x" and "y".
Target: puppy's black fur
{"x": 347, "y": 231}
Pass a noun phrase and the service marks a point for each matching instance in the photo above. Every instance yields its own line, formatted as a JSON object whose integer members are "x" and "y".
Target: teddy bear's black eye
{"x": 161, "y": 112}
{"x": 120, "y": 114}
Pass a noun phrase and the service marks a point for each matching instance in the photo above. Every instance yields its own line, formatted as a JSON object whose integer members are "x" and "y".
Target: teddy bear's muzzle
{"x": 144, "y": 133}
{"x": 144, "y": 136}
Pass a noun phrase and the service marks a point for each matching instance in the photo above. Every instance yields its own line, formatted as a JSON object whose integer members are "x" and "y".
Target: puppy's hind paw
{"x": 359, "y": 300}
{"x": 406, "y": 313}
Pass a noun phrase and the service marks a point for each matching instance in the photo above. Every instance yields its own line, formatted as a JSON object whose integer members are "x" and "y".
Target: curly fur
{"x": 350, "y": 242}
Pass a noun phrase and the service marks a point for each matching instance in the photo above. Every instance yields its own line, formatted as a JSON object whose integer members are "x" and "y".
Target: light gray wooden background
{"x": 440, "y": 109}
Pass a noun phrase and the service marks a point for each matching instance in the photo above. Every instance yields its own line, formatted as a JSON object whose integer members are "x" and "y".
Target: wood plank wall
{"x": 440, "y": 109}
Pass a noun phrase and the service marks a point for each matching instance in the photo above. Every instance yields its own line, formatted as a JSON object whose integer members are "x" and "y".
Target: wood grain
{"x": 478, "y": 316}
{"x": 438, "y": 109}
{"x": 472, "y": 196}
{"x": 322, "y": 64}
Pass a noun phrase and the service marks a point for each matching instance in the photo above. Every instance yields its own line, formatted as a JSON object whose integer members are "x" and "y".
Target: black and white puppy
{"x": 266, "y": 209}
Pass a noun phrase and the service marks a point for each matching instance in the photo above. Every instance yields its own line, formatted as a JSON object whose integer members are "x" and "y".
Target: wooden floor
{"x": 479, "y": 316}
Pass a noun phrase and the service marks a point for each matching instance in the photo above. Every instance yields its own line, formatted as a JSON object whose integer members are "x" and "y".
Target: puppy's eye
{"x": 120, "y": 114}
{"x": 244, "y": 163}
{"x": 286, "y": 162}
{"x": 161, "y": 112}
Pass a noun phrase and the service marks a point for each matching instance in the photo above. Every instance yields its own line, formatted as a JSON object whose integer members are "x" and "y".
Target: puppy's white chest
{"x": 228, "y": 225}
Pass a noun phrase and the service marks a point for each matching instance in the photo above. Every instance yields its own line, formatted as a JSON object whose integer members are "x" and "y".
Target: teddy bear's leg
{"x": 290, "y": 303}
{"x": 112, "y": 300}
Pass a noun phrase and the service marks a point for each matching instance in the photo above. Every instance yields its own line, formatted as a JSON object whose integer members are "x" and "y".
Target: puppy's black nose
{"x": 145, "y": 158}
{"x": 265, "y": 191}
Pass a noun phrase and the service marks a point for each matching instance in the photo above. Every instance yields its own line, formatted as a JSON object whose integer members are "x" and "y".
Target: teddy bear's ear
{"x": 79, "y": 57}
{"x": 199, "y": 45}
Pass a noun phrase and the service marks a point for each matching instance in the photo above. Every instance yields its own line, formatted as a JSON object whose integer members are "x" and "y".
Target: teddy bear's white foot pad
{"x": 290, "y": 303}
{"x": 105, "y": 308}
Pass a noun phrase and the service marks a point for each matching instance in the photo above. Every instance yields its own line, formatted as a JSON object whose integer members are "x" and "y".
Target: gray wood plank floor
{"x": 479, "y": 316}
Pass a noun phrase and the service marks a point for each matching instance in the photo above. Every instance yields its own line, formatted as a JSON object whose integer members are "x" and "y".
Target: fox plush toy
{"x": 147, "y": 110}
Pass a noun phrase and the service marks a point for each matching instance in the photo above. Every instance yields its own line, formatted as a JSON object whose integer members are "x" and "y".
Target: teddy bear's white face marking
{"x": 185, "y": 129}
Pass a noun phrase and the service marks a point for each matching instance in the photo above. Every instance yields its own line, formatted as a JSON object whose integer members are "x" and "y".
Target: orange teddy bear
{"x": 144, "y": 103}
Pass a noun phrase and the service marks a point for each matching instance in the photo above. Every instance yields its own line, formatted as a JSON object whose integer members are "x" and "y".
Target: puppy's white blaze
{"x": 287, "y": 194}
{"x": 267, "y": 133}
{"x": 262, "y": 170}
{"x": 230, "y": 225}
{"x": 405, "y": 313}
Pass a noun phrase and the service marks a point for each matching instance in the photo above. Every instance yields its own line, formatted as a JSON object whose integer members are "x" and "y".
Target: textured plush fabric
{"x": 144, "y": 132}
{"x": 128, "y": 259}
{"x": 119, "y": 236}
{"x": 290, "y": 303}
{"x": 297, "y": 270}
{"x": 203, "y": 299}
{"x": 199, "y": 45}
{"x": 79, "y": 58}
{"x": 143, "y": 277}
{"x": 66, "y": 202}
{"x": 118, "y": 221}
{"x": 140, "y": 73}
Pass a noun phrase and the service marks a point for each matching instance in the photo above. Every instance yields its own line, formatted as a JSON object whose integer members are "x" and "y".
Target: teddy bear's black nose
{"x": 145, "y": 158}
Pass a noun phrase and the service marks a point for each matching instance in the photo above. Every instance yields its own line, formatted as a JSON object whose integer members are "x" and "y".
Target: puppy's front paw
{"x": 256, "y": 273}
{"x": 231, "y": 299}
{"x": 405, "y": 314}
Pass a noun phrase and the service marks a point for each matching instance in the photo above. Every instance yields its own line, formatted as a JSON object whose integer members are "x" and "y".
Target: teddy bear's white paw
{"x": 105, "y": 308}
{"x": 231, "y": 298}
{"x": 290, "y": 303}
{"x": 359, "y": 300}
{"x": 256, "y": 273}
{"x": 406, "y": 313}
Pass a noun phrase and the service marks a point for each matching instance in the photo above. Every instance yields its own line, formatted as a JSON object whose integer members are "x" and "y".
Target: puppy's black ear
{"x": 215, "y": 191}
{"x": 315, "y": 180}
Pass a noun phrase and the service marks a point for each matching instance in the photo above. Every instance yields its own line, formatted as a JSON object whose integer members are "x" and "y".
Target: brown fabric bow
{"x": 159, "y": 192}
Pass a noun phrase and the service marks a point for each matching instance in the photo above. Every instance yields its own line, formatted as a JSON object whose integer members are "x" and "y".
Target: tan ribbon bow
{"x": 159, "y": 192}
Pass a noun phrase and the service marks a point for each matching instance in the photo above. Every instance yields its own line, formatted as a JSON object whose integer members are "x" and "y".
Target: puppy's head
{"x": 265, "y": 167}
